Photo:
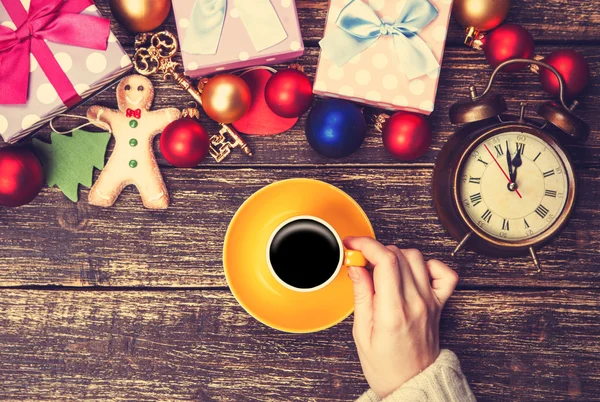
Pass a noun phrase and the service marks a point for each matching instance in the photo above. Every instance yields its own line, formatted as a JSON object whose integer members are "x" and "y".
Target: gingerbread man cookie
{"x": 134, "y": 127}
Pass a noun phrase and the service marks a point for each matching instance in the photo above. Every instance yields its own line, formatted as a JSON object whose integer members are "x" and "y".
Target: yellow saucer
{"x": 244, "y": 255}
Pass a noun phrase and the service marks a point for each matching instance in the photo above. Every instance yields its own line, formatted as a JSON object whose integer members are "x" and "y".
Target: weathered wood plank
{"x": 54, "y": 241}
{"x": 462, "y": 67}
{"x": 554, "y": 20}
{"x": 201, "y": 346}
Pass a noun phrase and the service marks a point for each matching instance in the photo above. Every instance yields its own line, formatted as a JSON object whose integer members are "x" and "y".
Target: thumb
{"x": 363, "y": 302}
{"x": 443, "y": 280}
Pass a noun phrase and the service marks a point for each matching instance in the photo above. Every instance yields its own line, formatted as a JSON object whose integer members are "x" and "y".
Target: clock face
{"x": 513, "y": 186}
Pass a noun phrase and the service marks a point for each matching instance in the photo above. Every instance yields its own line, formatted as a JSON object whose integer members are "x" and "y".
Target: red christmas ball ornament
{"x": 185, "y": 142}
{"x": 574, "y": 69}
{"x": 407, "y": 136}
{"x": 507, "y": 42}
{"x": 21, "y": 176}
{"x": 260, "y": 119}
{"x": 289, "y": 93}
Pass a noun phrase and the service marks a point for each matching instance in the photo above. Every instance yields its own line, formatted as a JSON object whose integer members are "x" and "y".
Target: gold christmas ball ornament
{"x": 226, "y": 98}
{"x": 481, "y": 14}
{"x": 140, "y": 15}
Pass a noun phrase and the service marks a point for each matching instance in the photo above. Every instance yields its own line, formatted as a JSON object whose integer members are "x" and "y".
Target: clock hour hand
{"x": 517, "y": 162}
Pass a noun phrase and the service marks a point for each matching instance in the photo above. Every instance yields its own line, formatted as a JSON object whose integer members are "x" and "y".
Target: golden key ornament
{"x": 154, "y": 53}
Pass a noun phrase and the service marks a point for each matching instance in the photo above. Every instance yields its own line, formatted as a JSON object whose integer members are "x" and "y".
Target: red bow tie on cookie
{"x": 134, "y": 113}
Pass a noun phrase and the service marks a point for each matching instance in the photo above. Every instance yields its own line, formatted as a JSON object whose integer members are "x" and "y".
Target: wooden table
{"x": 128, "y": 304}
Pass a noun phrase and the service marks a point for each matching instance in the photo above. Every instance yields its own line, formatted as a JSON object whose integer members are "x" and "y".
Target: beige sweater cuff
{"x": 443, "y": 381}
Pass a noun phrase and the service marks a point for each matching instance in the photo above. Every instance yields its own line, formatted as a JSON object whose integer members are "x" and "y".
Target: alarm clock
{"x": 505, "y": 185}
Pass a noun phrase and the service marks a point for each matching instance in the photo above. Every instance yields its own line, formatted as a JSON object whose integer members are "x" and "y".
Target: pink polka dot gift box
{"x": 54, "y": 54}
{"x": 221, "y": 35}
{"x": 384, "y": 53}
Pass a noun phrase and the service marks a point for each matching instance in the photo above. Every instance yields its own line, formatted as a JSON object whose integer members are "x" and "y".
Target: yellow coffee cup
{"x": 305, "y": 254}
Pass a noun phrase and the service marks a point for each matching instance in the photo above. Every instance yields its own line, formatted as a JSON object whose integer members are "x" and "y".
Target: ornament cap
{"x": 534, "y": 68}
{"x": 469, "y": 111}
{"x": 201, "y": 84}
{"x": 474, "y": 38}
{"x": 190, "y": 113}
{"x": 297, "y": 66}
{"x": 564, "y": 120}
{"x": 380, "y": 121}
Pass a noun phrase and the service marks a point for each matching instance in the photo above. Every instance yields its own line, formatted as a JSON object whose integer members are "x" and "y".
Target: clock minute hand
{"x": 517, "y": 162}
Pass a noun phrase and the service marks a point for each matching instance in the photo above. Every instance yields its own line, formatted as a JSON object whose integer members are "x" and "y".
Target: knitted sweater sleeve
{"x": 443, "y": 381}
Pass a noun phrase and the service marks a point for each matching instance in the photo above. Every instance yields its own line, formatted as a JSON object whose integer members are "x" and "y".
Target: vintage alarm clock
{"x": 504, "y": 186}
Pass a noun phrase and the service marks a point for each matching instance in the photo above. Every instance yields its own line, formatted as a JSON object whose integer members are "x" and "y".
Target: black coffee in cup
{"x": 304, "y": 253}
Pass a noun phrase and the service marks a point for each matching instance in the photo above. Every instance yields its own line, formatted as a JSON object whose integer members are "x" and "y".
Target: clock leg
{"x": 536, "y": 261}
{"x": 462, "y": 243}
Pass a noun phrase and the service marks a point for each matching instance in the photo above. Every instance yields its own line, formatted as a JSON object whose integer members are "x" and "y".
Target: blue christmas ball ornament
{"x": 335, "y": 128}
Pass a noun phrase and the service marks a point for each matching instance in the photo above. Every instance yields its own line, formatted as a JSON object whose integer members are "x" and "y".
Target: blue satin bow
{"x": 208, "y": 17}
{"x": 359, "y": 26}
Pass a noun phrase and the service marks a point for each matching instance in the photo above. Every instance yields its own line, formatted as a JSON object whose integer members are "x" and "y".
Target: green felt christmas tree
{"x": 70, "y": 160}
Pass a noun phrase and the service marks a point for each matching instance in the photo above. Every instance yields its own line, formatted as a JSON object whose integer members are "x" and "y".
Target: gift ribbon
{"x": 359, "y": 26}
{"x": 52, "y": 20}
{"x": 208, "y": 17}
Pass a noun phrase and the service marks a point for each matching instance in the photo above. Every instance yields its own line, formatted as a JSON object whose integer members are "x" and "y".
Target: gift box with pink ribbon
{"x": 384, "y": 53}
{"x": 53, "y": 54}
{"x": 220, "y": 35}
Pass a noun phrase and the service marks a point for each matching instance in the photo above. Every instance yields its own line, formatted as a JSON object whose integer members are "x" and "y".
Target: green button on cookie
{"x": 133, "y": 163}
{"x": 133, "y": 142}
{"x": 133, "y": 123}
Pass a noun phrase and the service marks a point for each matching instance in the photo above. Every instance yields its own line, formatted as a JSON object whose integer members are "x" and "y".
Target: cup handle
{"x": 354, "y": 258}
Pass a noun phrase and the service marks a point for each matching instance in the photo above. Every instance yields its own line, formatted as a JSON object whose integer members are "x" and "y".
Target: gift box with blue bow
{"x": 221, "y": 35}
{"x": 384, "y": 53}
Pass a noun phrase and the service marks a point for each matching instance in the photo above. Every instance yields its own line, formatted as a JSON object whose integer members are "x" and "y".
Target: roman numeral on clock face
{"x": 536, "y": 158}
{"x": 526, "y": 224}
{"x": 499, "y": 150}
{"x": 476, "y": 199}
{"x": 505, "y": 225}
{"x": 487, "y": 216}
{"x": 550, "y": 193}
{"x": 549, "y": 173}
{"x": 482, "y": 161}
{"x": 475, "y": 180}
{"x": 542, "y": 211}
{"x": 520, "y": 148}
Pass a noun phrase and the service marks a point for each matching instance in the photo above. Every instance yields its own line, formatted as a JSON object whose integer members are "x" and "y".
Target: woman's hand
{"x": 397, "y": 312}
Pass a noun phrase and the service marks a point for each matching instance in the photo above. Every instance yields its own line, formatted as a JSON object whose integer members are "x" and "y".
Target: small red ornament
{"x": 21, "y": 176}
{"x": 185, "y": 143}
{"x": 574, "y": 69}
{"x": 507, "y": 42}
{"x": 407, "y": 136}
{"x": 289, "y": 93}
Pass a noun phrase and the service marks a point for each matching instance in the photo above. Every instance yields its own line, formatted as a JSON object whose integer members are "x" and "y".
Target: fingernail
{"x": 353, "y": 274}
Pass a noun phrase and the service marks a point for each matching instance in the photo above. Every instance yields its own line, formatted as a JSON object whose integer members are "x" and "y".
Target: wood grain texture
{"x": 462, "y": 67}
{"x": 147, "y": 315}
{"x": 53, "y": 241}
{"x": 201, "y": 346}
